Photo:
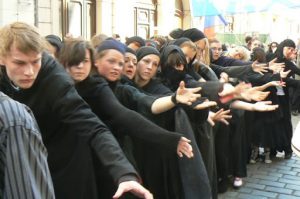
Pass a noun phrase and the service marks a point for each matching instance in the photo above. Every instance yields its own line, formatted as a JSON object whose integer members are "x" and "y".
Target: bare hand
{"x": 220, "y": 116}
{"x": 205, "y": 104}
{"x": 185, "y": 148}
{"x": 259, "y": 68}
{"x": 254, "y": 94}
{"x": 264, "y": 106}
{"x": 276, "y": 83}
{"x": 187, "y": 95}
{"x": 284, "y": 74}
{"x": 236, "y": 91}
{"x": 276, "y": 67}
{"x": 133, "y": 187}
{"x": 224, "y": 77}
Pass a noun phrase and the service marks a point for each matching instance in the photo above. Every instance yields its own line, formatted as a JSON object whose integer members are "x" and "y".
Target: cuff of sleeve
{"x": 129, "y": 177}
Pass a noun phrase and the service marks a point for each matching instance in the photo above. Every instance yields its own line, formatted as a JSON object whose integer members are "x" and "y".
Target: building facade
{"x": 89, "y": 17}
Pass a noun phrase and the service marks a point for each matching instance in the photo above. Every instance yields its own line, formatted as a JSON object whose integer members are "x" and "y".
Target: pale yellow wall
{"x": 14, "y": 10}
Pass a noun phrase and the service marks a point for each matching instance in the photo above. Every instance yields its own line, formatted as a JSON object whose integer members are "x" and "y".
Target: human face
{"x": 81, "y": 71}
{"x": 189, "y": 53}
{"x": 255, "y": 43}
{"x": 237, "y": 54}
{"x": 273, "y": 47}
{"x": 110, "y": 65}
{"x": 216, "y": 48}
{"x": 147, "y": 67}
{"x": 22, "y": 69}
{"x": 289, "y": 52}
{"x": 130, "y": 65}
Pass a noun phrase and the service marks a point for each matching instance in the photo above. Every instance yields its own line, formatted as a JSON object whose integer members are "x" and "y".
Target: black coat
{"x": 70, "y": 131}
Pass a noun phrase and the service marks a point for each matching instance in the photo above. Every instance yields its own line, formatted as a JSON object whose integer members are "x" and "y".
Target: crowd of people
{"x": 175, "y": 116}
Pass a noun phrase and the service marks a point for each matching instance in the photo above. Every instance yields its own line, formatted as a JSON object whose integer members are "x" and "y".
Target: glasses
{"x": 216, "y": 49}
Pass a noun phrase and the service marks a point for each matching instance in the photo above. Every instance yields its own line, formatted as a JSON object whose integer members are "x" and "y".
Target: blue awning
{"x": 227, "y": 7}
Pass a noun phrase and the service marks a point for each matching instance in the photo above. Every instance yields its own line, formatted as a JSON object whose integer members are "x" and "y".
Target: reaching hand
{"x": 276, "y": 83}
{"x": 205, "y": 104}
{"x": 224, "y": 78}
{"x": 133, "y": 187}
{"x": 284, "y": 74}
{"x": 187, "y": 95}
{"x": 259, "y": 68}
{"x": 185, "y": 148}
{"x": 228, "y": 89}
{"x": 254, "y": 94}
{"x": 276, "y": 67}
{"x": 221, "y": 116}
{"x": 264, "y": 106}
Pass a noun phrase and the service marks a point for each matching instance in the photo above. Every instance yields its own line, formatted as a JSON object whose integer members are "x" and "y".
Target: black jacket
{"x": 70, "y": 131}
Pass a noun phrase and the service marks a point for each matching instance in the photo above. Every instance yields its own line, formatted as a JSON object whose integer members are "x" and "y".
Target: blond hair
{"x": 24, "y": 37}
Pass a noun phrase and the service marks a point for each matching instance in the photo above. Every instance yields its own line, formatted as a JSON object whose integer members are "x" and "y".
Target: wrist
{"x": 173, "y": 98}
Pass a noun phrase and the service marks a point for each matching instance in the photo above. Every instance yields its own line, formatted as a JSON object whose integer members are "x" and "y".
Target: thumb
{"x": 181, "y": 85}
{"x": 118, "y": 193}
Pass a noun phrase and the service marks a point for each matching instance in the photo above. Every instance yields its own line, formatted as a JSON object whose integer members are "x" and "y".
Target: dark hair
{"x": 175, "y": 59}
{"x": 73, "y": 52}
{"x": 258, "y": 54}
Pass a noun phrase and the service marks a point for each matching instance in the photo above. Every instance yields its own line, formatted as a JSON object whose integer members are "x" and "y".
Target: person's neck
{"x": 140, "y": 82}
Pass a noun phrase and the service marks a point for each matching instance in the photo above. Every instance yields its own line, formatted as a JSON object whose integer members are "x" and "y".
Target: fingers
{"x": 225, "y": 121}
{"x": 267, "y": 102}
{"x": 196, "y": 90}
{"x": 185, "y": 139}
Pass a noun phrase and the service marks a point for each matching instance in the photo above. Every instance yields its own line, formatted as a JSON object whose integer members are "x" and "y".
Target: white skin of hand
{"x": 224, "y": 77}
{"x": 133, "y": 187}
{"x": 276, "y": 67}
{"x": 184, "y": 148}
{"x": 187, "y": 95}
{"x": 259, "y": 68}
{"x": 205, "y": 104}
{"x": 221, "y": 116}
{"x": 284, "y": 74}
{"x": 264, "y": 106}
{"x": 276, "y": 83}
{"x": 255, "y": 95}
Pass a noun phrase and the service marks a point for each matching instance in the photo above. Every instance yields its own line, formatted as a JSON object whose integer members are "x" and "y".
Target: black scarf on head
{"x": 193, "y": 34}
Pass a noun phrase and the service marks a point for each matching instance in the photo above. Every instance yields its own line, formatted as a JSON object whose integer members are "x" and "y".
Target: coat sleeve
{"x": 107, "y": 105}
{"x": 81, "y": 122}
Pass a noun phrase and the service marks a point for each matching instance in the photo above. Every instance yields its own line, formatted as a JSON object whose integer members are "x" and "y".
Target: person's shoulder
{"x": 13, "y": 113}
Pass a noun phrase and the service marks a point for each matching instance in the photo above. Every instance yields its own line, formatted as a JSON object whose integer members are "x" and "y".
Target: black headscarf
{"x": 137, "y": 39}
{"x": 193, "y": 34}
{"x": 146, "y": 50}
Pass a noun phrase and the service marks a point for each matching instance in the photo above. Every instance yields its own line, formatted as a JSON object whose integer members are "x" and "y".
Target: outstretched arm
{"x": 262, "y": 106}
{"x": 183, "y": 95}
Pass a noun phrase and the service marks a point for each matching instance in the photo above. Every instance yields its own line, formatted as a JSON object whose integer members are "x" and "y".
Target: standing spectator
{"x": 24, "y": 171}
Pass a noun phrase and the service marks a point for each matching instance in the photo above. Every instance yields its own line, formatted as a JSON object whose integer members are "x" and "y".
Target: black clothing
{"x": 70, "y": 131}
{"x": 227, "y": 61}
{"x": 190, "y": 185}
{"x": 96, "y": 92}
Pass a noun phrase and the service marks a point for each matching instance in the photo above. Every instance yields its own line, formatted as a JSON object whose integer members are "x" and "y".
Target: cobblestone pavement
{"x": 279, "y": 180}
